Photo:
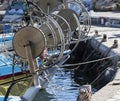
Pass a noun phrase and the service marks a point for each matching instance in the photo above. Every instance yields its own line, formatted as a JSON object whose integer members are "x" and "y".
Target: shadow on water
{"x": 43, "y": 95}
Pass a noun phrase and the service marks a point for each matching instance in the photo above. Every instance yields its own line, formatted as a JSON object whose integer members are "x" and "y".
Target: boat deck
{"x": 11, "y": 98}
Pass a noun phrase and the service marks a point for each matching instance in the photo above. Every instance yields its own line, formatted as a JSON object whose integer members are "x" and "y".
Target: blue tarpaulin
{"x": 7, "y": 28}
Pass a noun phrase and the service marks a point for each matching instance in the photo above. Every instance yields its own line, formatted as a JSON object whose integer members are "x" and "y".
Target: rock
{"x": 106, "y": 5}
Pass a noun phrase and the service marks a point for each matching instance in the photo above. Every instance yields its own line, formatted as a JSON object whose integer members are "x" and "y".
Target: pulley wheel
{"x": 34, "y": 36}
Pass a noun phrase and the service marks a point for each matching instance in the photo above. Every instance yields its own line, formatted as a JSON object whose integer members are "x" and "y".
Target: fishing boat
{"x": 40, "y": 43}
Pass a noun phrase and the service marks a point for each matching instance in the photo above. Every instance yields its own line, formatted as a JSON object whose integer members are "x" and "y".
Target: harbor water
{"x": 61, "y": 88}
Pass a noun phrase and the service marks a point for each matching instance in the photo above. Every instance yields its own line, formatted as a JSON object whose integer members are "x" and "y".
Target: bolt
{"x": 115, "y": 44}
{"x": 96, "y": 32}
{"x": 104, "y": 38}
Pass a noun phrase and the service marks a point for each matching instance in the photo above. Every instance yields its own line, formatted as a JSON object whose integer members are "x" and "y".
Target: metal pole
{"x": 31, "y": 61}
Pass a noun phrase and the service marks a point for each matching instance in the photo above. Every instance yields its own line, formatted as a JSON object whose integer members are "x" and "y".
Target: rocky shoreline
{"x": 106, "y": 5}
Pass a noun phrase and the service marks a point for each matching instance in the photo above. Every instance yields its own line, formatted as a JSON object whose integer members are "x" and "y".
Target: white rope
{"x": 88, "y": 62}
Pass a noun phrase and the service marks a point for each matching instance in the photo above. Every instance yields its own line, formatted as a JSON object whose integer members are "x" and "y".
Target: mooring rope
{"x": 88, "y": 62}
{"x": 97, "y": 78}
{"x": 76, "y": 64}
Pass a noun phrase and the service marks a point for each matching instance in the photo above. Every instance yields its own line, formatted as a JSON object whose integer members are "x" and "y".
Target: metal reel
{"x": 54, "y": 27}
{"x": 55, "y": 37}
{"x": 68, "y": 15}
{"x": 82, "y": 13}
{"x": 34, "y": 36}
{"x": 65, "y": 28}
{"x": 49, "y": 32}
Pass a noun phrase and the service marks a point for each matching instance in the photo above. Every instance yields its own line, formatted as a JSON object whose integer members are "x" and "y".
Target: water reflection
{"x": 61, "y": 88}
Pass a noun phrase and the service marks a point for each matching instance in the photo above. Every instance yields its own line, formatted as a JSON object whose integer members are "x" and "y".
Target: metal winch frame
{"x": 50, "y": 25}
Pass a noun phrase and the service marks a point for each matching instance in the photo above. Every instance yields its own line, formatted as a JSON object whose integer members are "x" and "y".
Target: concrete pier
{"x": 106, "y": 48}
{"x": 110, "y": 92}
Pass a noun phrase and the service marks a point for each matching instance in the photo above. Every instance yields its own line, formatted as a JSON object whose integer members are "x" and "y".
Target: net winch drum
{"x": 68, "y": 15}
{"x": 34, "y": 36}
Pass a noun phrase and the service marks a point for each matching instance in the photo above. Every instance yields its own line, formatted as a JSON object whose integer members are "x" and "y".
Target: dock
{"x": 111, "y": 34}
{"x": 110, "y": 92}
